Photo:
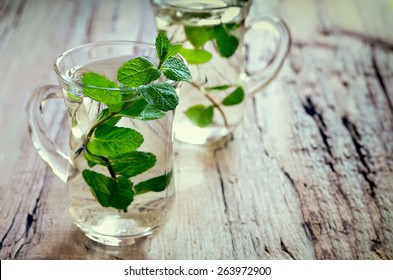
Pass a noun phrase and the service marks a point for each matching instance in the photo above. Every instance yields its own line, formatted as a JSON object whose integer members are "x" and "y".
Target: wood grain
{"x": 307, "y": 175}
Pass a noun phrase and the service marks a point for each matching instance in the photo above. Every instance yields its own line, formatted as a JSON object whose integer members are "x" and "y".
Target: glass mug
{"x": 152, "y": 186}
{"x": 220, "y": 48}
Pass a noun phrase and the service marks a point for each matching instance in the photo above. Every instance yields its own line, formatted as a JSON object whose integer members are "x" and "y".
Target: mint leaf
{"x": 172, "y": 50}
{"x": 94, "y": 87}
{"x": 111, "y": 141}
{"x": 109, "y": 192}
{"x": 127, "y": 94}
{"x": 175, "y": 70}
{"x": 99, "y": 186}
{"x": 200, "y": 115}
{"x": 162, "y": 45}
{"x": 234, "y": 98}
{"x": 106, "y": 112}
{"x": 141, "y": 110}
{"x": 198, "y": 35}
{"x": 195, "y": 56}
{"x": 137, "y": 71}
{"x": 226, "y": 43}
{"x": 133, "y": 163}
{"x": 164, "y": 48}
{"x": 93, "y": 160}
{"x": 121, "y": 194}
{"x": 162, "y": 96}
{"x": 156, "y": 184}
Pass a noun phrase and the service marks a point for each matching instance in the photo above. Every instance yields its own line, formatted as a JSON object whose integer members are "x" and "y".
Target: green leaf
{"x": 133, "y": 163}
{"x": 200, "y": 115}
{"x": 226, "y": 43}
{"x": 111, "y": 121}
{"x": 93, "y": 160}
{"x": 196, "y": 56}
{"x": 164, "y": 47}
{"x": 137, "y": 71}
{"x": 162, "y": 96}
{"x": 99, "y": 186}
{"x": 95, "y": 89}
{"x": 109, "y": 192}
{"x": 121, "y": 194}
{"x": 156, "y": 184}
{"x": 111, "y": 140}
{"x": 234, "y": 98}
{"x": 127, "y": 94}
{"x": 141, "y": 110}
{"x": 175, "y": 70}
{"x": 198, "y": 35}
{"x": 172, "y": 50}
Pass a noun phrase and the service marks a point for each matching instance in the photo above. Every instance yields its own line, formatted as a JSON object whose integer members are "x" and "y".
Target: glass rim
{"x": 72, "y": 82}
{"x": 208, "y": 9}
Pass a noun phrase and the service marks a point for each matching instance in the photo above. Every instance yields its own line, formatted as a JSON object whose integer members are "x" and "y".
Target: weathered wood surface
{"x": 308, "y": 175}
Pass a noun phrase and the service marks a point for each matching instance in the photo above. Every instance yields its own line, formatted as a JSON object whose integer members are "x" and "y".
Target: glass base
{"x": 117, "y": 232}
{"x": 117, "y": 241}
{"x": 191, "y": 134}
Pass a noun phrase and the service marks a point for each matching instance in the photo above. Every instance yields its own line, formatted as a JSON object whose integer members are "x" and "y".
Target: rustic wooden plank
{"x": 262, "y": 206}
{"x": 337, "y": 136}
{"x": 308, "y": 175}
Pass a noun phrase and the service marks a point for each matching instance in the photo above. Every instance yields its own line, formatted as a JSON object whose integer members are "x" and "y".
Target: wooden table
{"x": 307, "y": 175}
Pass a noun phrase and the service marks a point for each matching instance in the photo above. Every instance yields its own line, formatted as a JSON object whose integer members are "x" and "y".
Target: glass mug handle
{"x": 261, "y": 77}
{"x": 46, "y": 147}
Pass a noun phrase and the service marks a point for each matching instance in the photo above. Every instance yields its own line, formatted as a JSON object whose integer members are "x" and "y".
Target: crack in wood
{"x": 256, "y": 242}
{"x": 379, "y": 77}
{"x": 311, "y": 110}
{"x": 259, "y": 126}
{"x": 255, "y": 110}
{"x": 222, "y": 186}
{"x": 309, "y": 231}
{"x": 308, "y": 228}
{"x": 285, "y": 249}
{"x": 7, "y": 232}
{"x": 377, "y": 247}
{"x": 360, "y": 36}
{"x": 31, "y": 217}
{"x": 9, "y": 228}
{"x": 224, "y": 199}
{"x": 267, "y": 251}
{"x": 359, "y": 148}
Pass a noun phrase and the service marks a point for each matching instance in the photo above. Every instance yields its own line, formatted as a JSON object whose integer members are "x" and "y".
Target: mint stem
{"x": 215, "y": 104}
{"x": 90, "y": 133}
{"x": 109, "y": 166}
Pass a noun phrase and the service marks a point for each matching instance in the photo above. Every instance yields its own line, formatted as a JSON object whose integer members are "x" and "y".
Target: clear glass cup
{"x": 224, "y": 49}
{"x": 150, "y": 207}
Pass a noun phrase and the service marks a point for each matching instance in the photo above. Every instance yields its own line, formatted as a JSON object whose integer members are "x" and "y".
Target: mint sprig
{"x": 138, "y": 96}
{"x": 224, "y": 39}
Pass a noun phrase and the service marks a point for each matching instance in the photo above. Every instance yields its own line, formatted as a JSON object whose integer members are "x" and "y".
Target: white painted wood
{"x": 308, "y": 175}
